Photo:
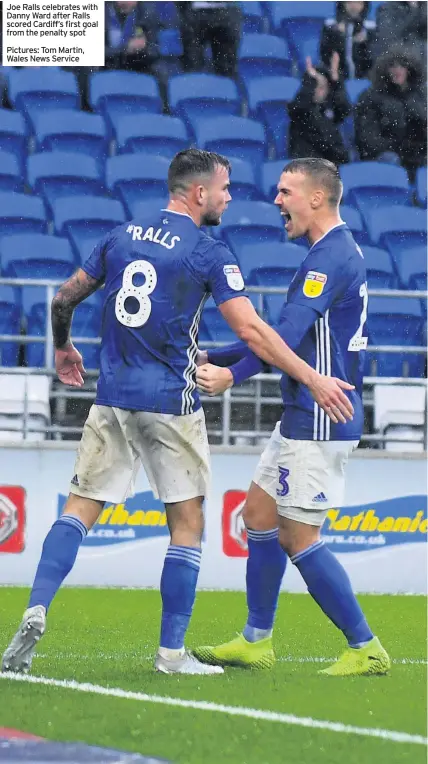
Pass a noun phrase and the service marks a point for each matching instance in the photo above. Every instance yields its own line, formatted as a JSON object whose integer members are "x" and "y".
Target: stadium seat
{"x": 354, "y": 88}
{"x": 421, "y": 186}
{"x": 120, "y": 93}
{"x": 259, "y": 260}
{"x": 214, "y": 327}
{"x": 397, "y": 229}
{"x": 24, "y": 396}
{"x": 10, "y": 323}
{"x": 380, "y": 271}
{"x": 253, "y": 20}
{"x": 374, "y": 184}
{"x": 267, "y": 102}
{"x": 250, "y": 222}
{"x": 87, "y": 323}
{"x": 13, "y": 134}
{"x": 136, "y": 177}
{"x": 353, "y": 220}
{"x": 31, "y": 90}
{"x": 139, "y": 208}
{"x": 195, "y": 96}
{"x": 55, "y": 173}
{"x": 412, "y": 268}
{"x": 170, "y": 47}
{"x": 75, "y": 131}
{"x": 10, "y": 173}
{"x": 81, "y": 217}
{"x": 263, "y": 55}
{"x": 21, "y": 213}
{"x": 83, "y": 246}
{"x": 36, "y": 256}
{"x": 233, "y": 137}
{"x": 157, "y": 134}
{"x": 301, "y": 24}
{"x": 271, "y": 173}
{"x": 394, "y": 321}
{"x": 242, "y": 181}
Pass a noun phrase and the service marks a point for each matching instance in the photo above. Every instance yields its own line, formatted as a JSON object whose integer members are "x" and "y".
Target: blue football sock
{"x": 265, "y": 570}
{"x": 328, "y": 583}
{"x": 58, "y": 555}
{"x": 178, "y": 588}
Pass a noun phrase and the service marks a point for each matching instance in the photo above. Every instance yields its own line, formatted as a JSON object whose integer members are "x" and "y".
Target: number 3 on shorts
{"x": 139, "y": 292}
{"x": 282, "y": 480}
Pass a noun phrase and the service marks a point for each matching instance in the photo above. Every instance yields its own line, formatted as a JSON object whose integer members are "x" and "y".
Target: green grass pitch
{"x": 108, "y": 637}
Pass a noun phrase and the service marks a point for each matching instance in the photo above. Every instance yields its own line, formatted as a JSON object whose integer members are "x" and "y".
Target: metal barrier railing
{"x": 226, "y": 433}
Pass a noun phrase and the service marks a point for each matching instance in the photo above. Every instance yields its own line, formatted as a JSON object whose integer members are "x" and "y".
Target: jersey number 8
{"x": 140, "y": 293}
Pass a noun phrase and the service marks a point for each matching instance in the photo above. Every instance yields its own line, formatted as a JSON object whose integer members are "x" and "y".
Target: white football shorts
{"x": 305, "y": 477}
{"x": 115, "y": 442}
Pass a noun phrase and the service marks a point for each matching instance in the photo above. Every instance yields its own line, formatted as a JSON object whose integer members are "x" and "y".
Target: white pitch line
{"x": 202, "y": 705}
{"x": 147, "y": 657}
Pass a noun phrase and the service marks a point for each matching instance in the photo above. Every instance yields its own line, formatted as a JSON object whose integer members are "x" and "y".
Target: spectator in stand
{"x": 352, "y": 36}
{"x": 218, "y": 24}
{"x": 130, "y": 36}
{"x": 391, "y": 118}
{"x": 316, "y": 113}
{"x": 402, "y": 23}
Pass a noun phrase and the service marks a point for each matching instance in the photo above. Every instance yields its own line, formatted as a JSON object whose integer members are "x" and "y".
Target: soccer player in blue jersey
{"x": 301, "y": 473}
{"x": 158, "y": 272}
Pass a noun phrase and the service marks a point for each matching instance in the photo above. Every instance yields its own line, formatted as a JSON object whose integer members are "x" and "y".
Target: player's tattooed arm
{"x": 70, "y": 294}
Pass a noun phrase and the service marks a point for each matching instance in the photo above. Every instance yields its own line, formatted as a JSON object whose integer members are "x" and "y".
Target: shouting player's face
{"x": 295, "y": 201}
{"x": 216, "y": 197}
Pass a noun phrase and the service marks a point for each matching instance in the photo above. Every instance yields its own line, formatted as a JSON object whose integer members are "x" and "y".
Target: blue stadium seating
{"x": 393, "y": 321}
{"x": 374, "y": 184}
{"x": 21, "y": 213}
{"x": 13, "y": 134}
{"x": 54, "y": 174}
{"x": 74, "y": 131}
{"x": 149, "y": 207}
{"x": 263, "y": 55}
{"x": 135, "y": 177}
{"x": 233, "y": 136}
{"x": 354, "y": 88}
{"x": 271, "y": 173}
{"x": 10, "y": 173}
{"x": 120, "y": 93}
{"x": 253, "y": 20}
{"x": 83, "y": 217}
{"x": 10, "y": 323}
{"x": 397, "y": 228}
{"x": 301, "y": 24}
{"x": 412, "y": 268}
{"x": 262, "y": 263}
{"x": 36, "y": 256}
{"x": 156, "y": 134}
{"x": 353, "y": 220}
{"x": 36, "y": 325}
{"x": 421, "y": 186}
{"x": 250, "y": 222}
{"x": 195, "y": 96}
{"x": 32, "y": 90}
{"x": 380, "y": 271}
{"x": 213, "y": 326}
{"x": 87, "y": 323}
{"x": 267, "y": 102}
{"x": 242, "y": 181}
{"x": 83, "y": 246}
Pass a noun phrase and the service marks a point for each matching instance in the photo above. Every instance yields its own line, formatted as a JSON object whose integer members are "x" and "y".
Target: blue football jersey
{"x": 158, "y": 273}
{"x": 332, "y": 281}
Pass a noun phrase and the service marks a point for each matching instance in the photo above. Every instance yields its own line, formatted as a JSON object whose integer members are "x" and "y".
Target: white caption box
{"x": 53, "y": 34}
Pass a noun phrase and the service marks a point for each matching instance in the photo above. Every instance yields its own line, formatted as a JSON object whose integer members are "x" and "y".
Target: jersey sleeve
{"x": 224, "y": 279}
{"x": 95, "y": 264}
{"x": 318, "y": 284}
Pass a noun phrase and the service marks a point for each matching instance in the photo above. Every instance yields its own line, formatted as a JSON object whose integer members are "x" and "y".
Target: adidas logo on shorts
{"x": 75, "y": 480}
{"x": 320, "y": 497}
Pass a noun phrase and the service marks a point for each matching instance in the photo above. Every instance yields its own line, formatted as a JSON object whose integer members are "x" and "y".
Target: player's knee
{"x": 297, "y": 537}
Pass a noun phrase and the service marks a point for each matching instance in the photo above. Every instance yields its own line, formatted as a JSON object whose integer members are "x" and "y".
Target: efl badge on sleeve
{"x": 234, "y": 277}
{"x": 314, "y": 284}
